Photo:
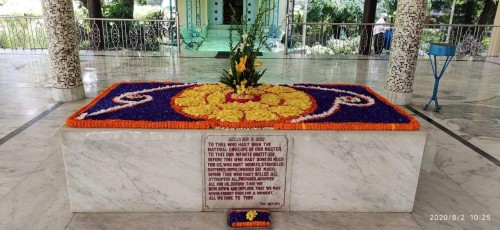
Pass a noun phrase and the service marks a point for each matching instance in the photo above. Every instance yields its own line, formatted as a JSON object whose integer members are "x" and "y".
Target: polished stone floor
{"x": 465, "y": 177}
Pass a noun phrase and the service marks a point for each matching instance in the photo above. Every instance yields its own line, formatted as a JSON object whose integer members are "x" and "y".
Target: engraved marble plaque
{"x": 246, "y": 171}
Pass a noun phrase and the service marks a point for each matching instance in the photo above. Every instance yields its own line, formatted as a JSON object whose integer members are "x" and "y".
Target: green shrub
{"x": 22, "y": 33}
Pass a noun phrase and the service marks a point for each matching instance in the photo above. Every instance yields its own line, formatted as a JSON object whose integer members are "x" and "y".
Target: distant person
{"x": 378, "y": 32}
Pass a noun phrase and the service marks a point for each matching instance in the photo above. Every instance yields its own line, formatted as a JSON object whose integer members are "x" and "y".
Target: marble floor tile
{"x": 10, "y": 124}
{"x": 217, "y": 220}
{"x": 478, "y": 123}
{"x": 22, "y": 154}
{"x": 492, "y": 203}
{"x": 33, "y": 192}
{"x": 472, "y": 172}
{"x": 331, "y": 220}
{"x": 159, "y": 221}
{"x": 40, "y": 201}
{"x": 17, "y": 161}
{"x": 438, "y": 196}
{"x": 466, "y": 167}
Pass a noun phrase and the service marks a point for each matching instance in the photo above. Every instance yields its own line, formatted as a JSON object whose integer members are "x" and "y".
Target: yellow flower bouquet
{"x": 243, "y": 74}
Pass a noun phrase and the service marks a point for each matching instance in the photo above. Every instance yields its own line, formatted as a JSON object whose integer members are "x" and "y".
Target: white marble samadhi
{"x": 136, "y": 170}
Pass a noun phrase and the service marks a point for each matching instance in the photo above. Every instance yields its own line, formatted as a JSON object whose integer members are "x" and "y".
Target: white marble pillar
{"x": 63, "y": 50}
{"x": 494, "y": 50}
{"x": 404, "y": 51}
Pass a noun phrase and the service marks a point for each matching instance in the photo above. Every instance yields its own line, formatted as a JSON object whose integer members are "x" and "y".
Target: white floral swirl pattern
{"x": 356, "y": 100}
{"x": 130, "y": 99}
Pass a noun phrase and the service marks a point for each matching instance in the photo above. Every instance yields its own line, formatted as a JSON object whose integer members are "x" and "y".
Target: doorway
{"x": 238, "y": 7}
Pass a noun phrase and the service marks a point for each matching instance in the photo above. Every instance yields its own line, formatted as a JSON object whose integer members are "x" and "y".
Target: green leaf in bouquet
{"x": 250, "y": 40}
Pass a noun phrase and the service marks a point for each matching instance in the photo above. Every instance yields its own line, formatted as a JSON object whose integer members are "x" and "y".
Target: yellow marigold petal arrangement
{"x": 276, "y": 103}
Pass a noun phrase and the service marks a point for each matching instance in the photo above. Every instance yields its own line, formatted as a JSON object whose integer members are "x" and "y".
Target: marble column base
{"x": 72, "y": 94}
{"x": 398, "y": 98}
{"x": 149, "y": 170}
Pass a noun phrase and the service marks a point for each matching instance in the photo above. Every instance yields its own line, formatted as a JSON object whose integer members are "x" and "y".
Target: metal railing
{"x": 358, "y": 38}
{"x": 319, "y": 38}
{"x": 93, "y": 34}
{"x": 22, "y": 33}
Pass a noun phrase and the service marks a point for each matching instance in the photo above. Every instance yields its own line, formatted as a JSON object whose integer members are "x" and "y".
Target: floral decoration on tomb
{"x": 207, "y": 106}
{"x": 244, "y": 73}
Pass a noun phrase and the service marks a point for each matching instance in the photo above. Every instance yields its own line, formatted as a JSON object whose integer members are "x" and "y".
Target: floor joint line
{"x": 456, "y": 137}
{"x": 29, "y": 123}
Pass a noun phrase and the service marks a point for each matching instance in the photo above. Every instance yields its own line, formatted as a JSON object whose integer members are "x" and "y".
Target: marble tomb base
{"x": 161, "y": 170}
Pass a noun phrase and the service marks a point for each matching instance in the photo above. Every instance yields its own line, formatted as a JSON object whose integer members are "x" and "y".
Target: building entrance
{"x": 219, "y": 11}
{"x": 237, "y": 6}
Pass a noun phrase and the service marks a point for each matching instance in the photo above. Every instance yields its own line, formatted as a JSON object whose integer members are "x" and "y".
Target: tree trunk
{"x": 94, "y": 8}
{"x": 366, "y": 30}
{"x": 483, "y": 18}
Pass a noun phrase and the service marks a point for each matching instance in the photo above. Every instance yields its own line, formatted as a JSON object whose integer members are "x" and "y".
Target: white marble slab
{"x": 356, "y": 171}
{"x": 134, "y": 170}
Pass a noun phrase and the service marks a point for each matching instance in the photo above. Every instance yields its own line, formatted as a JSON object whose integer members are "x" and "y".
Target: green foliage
{"x": 333, "y": 11}
{"x": 349, "y": 11}
{"x": 21, "y": 33}
{"x": 432, "y": 36}
{"x": 242, "y": 61}
{"x": 321, "y": 11}
{"x": 486, "y": 42}
{"x": 440, "y": 5}
{"x": 466, "y": 11}
{"x": 147, "y": 11}
{"x": 330, "y": 11}
{"x": 117, "y": 9}
{"x": 113, "y": 8}
{"x": 389, "y": 7}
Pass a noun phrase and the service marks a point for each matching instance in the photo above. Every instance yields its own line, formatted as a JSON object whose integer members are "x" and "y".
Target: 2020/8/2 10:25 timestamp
{"x": 459, "y": 217}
